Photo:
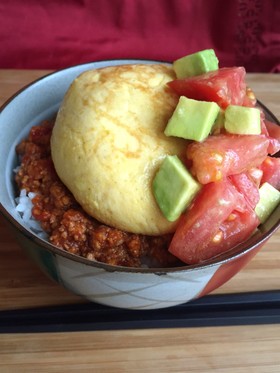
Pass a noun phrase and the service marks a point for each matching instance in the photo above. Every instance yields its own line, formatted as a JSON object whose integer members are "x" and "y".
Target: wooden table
{"x": 204, "y": 349}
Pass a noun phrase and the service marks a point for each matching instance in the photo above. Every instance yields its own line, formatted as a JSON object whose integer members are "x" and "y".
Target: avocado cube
{"x": 196, "y": 64}
{"x": 269, "y": 199}
{"x": 242, "y": 120}
{"x": 174, "y": 187}
{"x": 192, "y": 119}
{"x": 219, "y": 123}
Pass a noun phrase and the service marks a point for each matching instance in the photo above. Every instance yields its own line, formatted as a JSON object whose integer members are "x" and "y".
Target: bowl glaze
{"x": 131, "y": 288}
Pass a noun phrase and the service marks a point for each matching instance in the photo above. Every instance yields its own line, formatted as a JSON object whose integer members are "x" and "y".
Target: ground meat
{"x": 68, "y": 226}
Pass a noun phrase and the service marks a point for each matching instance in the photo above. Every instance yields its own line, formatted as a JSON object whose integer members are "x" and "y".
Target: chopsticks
{"x": 251, "y": 308}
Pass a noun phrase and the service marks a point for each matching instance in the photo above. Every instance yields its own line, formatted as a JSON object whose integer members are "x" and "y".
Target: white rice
{"x": 24, "y": 207}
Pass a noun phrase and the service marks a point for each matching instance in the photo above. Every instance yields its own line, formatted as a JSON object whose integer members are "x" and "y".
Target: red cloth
{"x": 56, "y": 34}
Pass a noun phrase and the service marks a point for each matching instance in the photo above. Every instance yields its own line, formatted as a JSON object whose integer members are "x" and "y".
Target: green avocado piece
{"x": 269, "y": 199}
{"x": 219, "y": 123}
{"x": 174, "y": 187}
{"x": 242, "y": 120}
{"x": 196, "y": 64}
{"x": 192, "y": 119}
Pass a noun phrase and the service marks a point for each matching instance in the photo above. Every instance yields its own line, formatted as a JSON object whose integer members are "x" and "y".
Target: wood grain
{"x": 220, "y": 349}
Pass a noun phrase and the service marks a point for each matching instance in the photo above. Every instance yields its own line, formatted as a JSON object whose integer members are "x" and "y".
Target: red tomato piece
{"x": 271, "y": 171}
{"x": 272, "y": 132}
{"x": 250, "y": 98}
{"x": 273, "y": 129}
{"x": 224, "y": 86}
{"x": 256, "y": 175}
{"x": 195, "y": 238}
{"x": 247, "y": 186}
{"x": 274, "y": 146}
{"x": 238, "y": 227}
{"x": 223, "y": 155}
{"x": 264, "y": 130}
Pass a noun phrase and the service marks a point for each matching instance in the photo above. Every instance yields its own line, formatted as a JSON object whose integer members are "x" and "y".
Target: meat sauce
{"x": 68, "y": 226}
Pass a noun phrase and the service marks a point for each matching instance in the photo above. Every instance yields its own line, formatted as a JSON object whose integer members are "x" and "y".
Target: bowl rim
{"x": 239, "y": 250}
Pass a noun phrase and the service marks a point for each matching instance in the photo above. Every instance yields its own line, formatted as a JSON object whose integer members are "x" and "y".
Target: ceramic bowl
{"x": 131, "y": 288}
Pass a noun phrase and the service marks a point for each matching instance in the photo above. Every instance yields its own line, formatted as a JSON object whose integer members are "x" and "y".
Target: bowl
{"x": 130, "y": 288}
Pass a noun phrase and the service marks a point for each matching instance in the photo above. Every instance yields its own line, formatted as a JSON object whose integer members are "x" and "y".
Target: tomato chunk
{"x": 218, "y": 219}
{"x": 235, "y": 229}
{"x": 224, "y": 86}
{"x": 271, "y": 171}
{"x": 273, "y": 129}
{"x": 273, "y": 134}
{"x": 222, "y": 155}
{"x": 247, "y": 186}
